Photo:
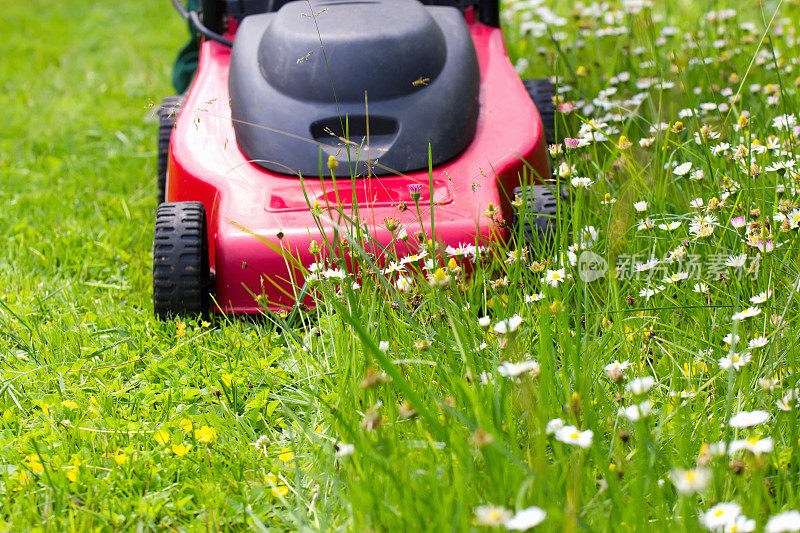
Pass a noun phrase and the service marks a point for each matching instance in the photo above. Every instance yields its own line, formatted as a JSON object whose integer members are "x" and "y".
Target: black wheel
{"x": 181, "y": 277}
{"x": 536, "y": 214}
{"x": 167, "y": 115}
{"x": 541, "y": 92}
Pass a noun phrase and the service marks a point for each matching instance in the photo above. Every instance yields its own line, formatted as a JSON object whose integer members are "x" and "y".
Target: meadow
{"x": 639, "y": 374}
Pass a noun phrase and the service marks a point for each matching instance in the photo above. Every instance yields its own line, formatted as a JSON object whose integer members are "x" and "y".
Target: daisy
{"x": 554, "y": 277}
{"x": 581, "y": 183}
{"x": 730, "y": 338}
{"x": 508, "y": 325}
{"x": 573, "y": 436}
{"x": 682, "y": 169}
{"x": 700, "y": 288}
{"x": 761, "y": 297}
{"x": 491, "y": 515}
{"x": 690, "y": 481}
{"x": 739, "y": 222}
{"x": 637, "y": 412}
{"x": 513, "y": 370}
{"x": 721, "y": 515}
{"x": 642, "y": 267}
{"x": 484, "y": 321}
{"x": 746, "y": 419}
{"x": 640, "y": 206}
{"x": 649, "y": 292}
{"x": 639, "y": 386}
{"x": 789, "y": 400}
{"x": 525, "y": 519}
{"x": 758, "y": 342}
{"x": 734, "y": 360}
{"x": 747, "y": 313}
{"x": 676, "y": 277}
{"x": 404, "y": 284}
{"x": 736, "y": 261}
{"x": 616, "y": 370}
{"x": 553, "y": 426}
{"x": 786, "y": 522}
{"x": 670, "y": 226}
{"x": 753, "y": 445}
{"x": 535, "y": 297}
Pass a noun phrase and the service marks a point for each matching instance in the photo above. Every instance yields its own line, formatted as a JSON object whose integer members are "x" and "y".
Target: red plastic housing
{"x": 248, "y": 206}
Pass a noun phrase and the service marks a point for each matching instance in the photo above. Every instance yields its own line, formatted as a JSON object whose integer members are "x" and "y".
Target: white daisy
{"x": 525, "y": 519}
{"x": 747, "y": 313}
{"x": 639, "y": 386}
{"x": 746, "y": 419}
{"x": 690, "y": 481}
{"x": 509, "y": 325}
{"x": 786, "y": 522}
{"x": 573, "y": 436}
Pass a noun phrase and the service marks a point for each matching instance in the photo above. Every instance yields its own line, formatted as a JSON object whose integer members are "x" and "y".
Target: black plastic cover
{"x": 291, "y": 103}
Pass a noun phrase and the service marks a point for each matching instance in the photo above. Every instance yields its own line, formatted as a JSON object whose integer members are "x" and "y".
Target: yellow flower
{"x": 286, "y": 455}
{"x": 624, "y": 143}
{"x": 278, "y": 489}
{"x": 72, "y": 474}
{"x": 186, "y": 425}
{"x": 181, "y": 449}
{"x": 121, "y": 458}
{"x": 22, "y": 478}
{"x": 161, "y": 436}
{"x": 205, "y": 434}
{"x": 69, "y": 404}
{"x": 34, "y": 462}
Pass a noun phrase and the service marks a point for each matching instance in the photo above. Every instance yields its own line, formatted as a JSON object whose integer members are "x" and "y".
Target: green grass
{"x": 110, "y": 420}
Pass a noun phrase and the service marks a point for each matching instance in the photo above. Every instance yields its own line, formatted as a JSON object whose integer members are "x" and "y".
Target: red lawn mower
{"x": 413, "y": 101}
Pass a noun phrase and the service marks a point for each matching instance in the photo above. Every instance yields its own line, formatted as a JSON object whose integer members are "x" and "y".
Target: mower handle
{"x": 194, "y": 19}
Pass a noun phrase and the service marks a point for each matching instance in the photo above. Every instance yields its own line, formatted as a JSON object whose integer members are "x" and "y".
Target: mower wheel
{"x": 537, "y": 216}
{"x": 167, "y": 116}
{"x": 181, "y": 275}
{"x": 541, "y": 92}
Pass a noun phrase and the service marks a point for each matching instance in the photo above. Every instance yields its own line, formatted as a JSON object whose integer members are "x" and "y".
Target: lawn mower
{"x": 415, "y": 103}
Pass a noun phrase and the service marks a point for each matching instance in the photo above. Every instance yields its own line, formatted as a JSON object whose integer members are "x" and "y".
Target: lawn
{"x": 638, "y": 375}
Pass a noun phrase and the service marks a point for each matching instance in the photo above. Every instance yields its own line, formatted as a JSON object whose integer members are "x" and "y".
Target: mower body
{"x": 255, "y": 151}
